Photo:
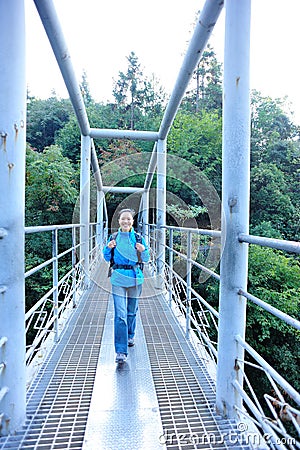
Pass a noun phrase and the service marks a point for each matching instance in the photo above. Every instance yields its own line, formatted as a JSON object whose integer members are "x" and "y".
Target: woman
{"x": 126, "y": 248}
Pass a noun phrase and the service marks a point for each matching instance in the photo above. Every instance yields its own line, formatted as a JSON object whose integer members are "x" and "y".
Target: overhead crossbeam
{"x": 98, "y": 133}
{"x": 122, "y": 189}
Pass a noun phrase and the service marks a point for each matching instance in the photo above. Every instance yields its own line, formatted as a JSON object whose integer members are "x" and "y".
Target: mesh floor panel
{"x": 59, "y": 399}
{"x": 185, "y": 390}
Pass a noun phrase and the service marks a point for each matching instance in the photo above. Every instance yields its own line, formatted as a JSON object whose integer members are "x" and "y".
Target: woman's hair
{"x": 131, "y": 211}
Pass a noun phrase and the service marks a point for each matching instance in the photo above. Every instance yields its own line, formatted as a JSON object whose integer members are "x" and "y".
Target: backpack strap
{"x": 138, "y": 238}
{"x": 111, "y": 261}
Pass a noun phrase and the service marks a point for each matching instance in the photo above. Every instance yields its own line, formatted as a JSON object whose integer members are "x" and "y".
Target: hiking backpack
{"x": 138, "y": 239}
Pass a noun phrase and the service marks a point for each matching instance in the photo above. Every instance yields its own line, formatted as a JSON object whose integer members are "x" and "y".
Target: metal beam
{"x": 151, "y": 168}
{"x": 12, "y": 203}
{"x": 161, "y": 203}
{"x": 280, "y": 244}
{"x": 203, "y": 30}
{"x": 96, "y": 168}
{"x": 133, "y": 135}
{"x": 55, "y": 35}
{"x": 85, "y": 204}
{"x": 235, "y": 197}
{"x": 122, "y": 189}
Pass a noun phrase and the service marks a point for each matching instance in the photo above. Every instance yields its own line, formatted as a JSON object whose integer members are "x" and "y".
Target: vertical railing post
{"x": 55, "y": 281}
{"x": 188, "y": 284}
{"x": 85, "y": 205}
{"x": 100, "y": 220}
{"x": 171, "y": 263}
{"x": 145, "y": 215}
{"x": 73, "y": 266}
{"x": 161, "y": 210}
{"x": 235, "y": 198}
{"x": 12, "y": 203}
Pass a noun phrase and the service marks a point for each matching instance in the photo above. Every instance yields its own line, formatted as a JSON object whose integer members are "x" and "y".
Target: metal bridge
{"x": 181, "y": 387}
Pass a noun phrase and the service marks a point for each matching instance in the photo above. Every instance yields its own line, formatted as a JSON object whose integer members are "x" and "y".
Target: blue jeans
{"x": 126, "y": 306}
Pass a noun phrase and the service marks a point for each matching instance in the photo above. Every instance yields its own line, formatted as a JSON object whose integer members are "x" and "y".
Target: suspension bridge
{"x": 180, "y": 389}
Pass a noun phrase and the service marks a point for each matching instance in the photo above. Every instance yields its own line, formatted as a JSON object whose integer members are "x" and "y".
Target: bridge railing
{"x": 63, "y": 277}
{"x": 276, "y": 413}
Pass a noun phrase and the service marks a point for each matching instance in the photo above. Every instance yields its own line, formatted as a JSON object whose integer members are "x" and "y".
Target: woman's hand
{"x": 139, "y": 247}
{"x": 112, "y": 244}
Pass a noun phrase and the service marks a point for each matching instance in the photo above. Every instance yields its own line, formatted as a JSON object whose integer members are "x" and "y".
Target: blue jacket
{"x": 125, "y": 253}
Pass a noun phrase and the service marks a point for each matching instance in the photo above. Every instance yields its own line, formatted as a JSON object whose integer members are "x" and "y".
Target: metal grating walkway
{"x": 80, "y": 395}
{"x": 184, "y": 388}
{"x": 59, "y": 399}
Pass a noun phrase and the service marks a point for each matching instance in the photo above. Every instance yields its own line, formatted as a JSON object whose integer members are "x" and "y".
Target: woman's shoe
{"x": 130, "y": 342}
{"x": 121, "y": 358}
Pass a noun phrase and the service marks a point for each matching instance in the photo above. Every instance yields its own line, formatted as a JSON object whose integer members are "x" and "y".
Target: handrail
{"x": 279, "y": 244}
{"x": 276, "y": 312}
{"x": 181, "y": 294}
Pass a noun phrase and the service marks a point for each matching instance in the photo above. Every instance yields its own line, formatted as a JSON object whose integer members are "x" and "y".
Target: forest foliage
{"x": 52, "y": 178}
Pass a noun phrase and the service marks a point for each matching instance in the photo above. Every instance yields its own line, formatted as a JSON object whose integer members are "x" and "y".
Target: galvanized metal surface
{"x": 12, "y": 202}
{"x": 124, "y": 411}
{"x": 58, "y": 401}
{"x": 235, "y": 202}
{"x": 184, "y": 388}
{"x": 163, "y": 397}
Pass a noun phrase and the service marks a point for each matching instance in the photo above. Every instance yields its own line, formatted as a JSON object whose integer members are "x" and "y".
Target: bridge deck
{"x": 163, "y": 397}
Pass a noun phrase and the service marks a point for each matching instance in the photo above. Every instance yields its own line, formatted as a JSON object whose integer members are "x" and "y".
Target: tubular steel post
{"x": 55, "y": 282}
{"x": 235, "y": 220}
{"x": 145, "y": 215}
{"x": 161, "y": 209}
{"x": 188, "y": 284}
{"x": 12, "y": 188}
{"x": 85, "y": 205}
{"x": 100, "y": 219}
{"x": 171, "y": 261}
{"x": 73, "y": 266}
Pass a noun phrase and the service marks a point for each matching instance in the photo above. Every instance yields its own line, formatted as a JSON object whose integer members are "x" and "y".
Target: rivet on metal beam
{"x": 3, "y": 289}
{"x": 3, "y": 341}
{"x": 3, "y": 233}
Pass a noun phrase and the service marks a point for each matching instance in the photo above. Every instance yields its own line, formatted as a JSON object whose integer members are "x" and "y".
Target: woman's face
{"x": 126, "y": 221}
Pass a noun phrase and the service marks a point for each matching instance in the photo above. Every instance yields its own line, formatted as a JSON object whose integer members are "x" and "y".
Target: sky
{"x": 101, "y": 34}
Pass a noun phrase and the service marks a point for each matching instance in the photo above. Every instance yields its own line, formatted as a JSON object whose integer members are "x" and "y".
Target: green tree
{"x": 136, "y": 96}
{"x": 270, "y": 200}
{"x": 205, "y": 91}
{"x": 44, "y": 119}
{"x": 85, "y": 89}
{"x": 275, "y": 278}
{"x": 50, "y": 187}
{"x": 50, "y": 196}
{"x": 198, "y": 139}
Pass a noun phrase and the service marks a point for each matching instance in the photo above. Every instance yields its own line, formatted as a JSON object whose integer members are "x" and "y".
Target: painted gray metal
{"x": 98, "y": 133}
{"x": 59, "y": 46}
{"x": 204, "y": 27}
{"x": 123, "y": 189}
{"x": 235, "y": 198}
{"x": 161, "y": 203}
{"x": 267, "y": 307}
{"x": 279, "y": 244}
{"x": 12, "y": 188}
{"x": 85, "y": 163}
{"x": 124, "y": 411}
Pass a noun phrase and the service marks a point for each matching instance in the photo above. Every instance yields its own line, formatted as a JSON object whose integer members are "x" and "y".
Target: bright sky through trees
{"x": 100, "y": 35}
